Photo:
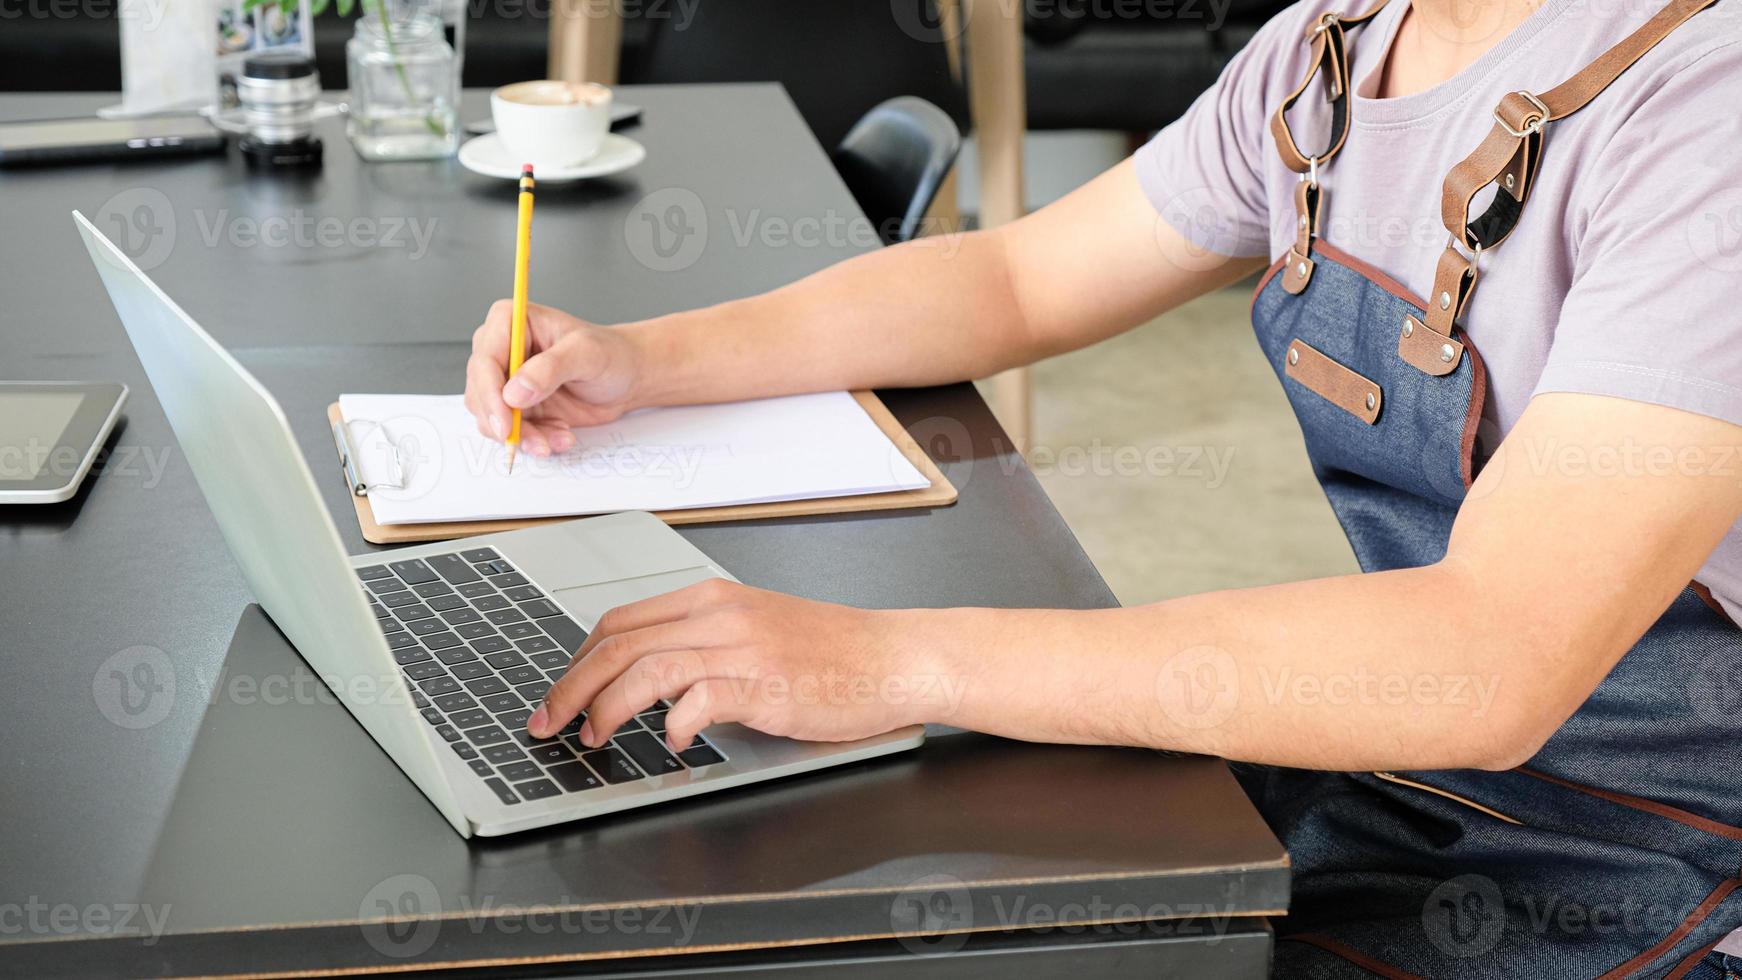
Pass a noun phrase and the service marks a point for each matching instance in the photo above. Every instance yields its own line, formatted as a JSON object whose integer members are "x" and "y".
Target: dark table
{"x": 227, "y": 816}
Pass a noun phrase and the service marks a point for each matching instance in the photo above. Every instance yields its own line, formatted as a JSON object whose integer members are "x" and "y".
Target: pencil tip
{"x": 511, "y": 455}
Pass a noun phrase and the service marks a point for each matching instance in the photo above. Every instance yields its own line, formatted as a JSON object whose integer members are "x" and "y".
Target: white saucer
{"x": 486, "y": 155}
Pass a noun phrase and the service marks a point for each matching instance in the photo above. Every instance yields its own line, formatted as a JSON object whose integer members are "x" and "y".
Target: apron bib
{"x": 1617, "y": 850}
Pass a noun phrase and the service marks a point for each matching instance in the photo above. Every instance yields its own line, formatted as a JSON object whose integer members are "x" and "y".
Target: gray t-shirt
{"x": 1622, "y": 278}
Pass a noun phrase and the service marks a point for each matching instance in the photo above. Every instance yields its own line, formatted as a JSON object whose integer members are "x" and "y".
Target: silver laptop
{"x": 441, "y": 651}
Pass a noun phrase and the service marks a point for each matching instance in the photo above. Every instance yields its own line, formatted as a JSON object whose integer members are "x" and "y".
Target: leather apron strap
{"x": 1509, "y": 156}
{"x": 1330, "y": 55}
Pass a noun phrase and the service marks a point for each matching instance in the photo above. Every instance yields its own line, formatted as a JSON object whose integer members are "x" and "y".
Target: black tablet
{"x": 50, "y": 433}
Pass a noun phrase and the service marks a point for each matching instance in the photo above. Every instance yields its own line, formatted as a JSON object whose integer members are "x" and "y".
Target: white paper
{"x": 799, "y": 447}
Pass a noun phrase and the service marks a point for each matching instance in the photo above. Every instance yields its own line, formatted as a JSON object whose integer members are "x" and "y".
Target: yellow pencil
{"x": 517, "y": 328}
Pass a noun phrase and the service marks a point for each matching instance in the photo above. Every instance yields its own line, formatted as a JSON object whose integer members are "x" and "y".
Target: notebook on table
{"x": 420, "y": 470}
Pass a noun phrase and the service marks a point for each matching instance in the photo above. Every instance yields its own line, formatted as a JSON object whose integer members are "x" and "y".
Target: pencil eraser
{"x": 526, "y": 169}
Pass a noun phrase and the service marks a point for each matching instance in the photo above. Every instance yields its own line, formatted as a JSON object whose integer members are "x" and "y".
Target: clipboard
{"x": 940, "y": 493}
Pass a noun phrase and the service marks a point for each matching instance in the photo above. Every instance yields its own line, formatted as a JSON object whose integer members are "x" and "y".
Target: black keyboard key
{"x": 503, "y": 753}
{"x": 491, "y": 644}
{"x": 382, "y": 586}
{"x": 437, "y": 686}
{"x": 452, "y": 568}
{"x": 490, "y": 603}
{"x": 574, "y": 777}
{"x": 574, "y": 725}
{"x": 554, "y": 660}
{"x": 521, "y": 593}
{"x": 431, "y": 715}
{"x": 471, "y": 670}
{"x": 470, "y": 718}
{"x": 461, "y": 617}
{"x": 486, "y": 685}
{"x": 520, "y": 631}
{"x": 395, "y": 599}
{"x": 488, "y": 735}
{"x": 524, "y": 674}
{"x": 654, "y": 720}
{"x": 442, "y": 641}
{"x": 448, "y": 732}
{"x": 373, "y": 571}
{"x": 413, "y": 571}
{"x": 651, "y": 756}
{"x": 538, "y": 789}
{"x": 415, "y": 611}
{"x": 536, "y": 644}
{"x": 550, "y": 753}
{"x": 534, "y": 692}
{"x": 496, "y": 567}
{"x": 525, "y": 738}
{"x": 700, "y": 754}
{"x": 498, "y": 703}
{"x": 477, "y": 590}
{"x": 632, "y": 725}
{"x": 430, "y": 590}
{"x": 566, "y": 632}
{"x": 442, "y": 603}
{"x": 419, "y": 701}
{"x": 501, "y": 790}
{"x": 505, "y": 659}
{"x": 379, "y": 611}
{"x": 612, "y": 765}
{"x": 573, "y": 741}
{"x": 465, "y": 751}
{"x": 540, "y": 608}
{"x": 424, "y": 671}
{"x": 513, "y": 720}
{"x": 406, "y": 649}
{"x": 424, "y": 627}
{"x": 502, "y": 616}
{"x": 480, "y": 554}
{"x": 518, "y": 771}
{"x": 475, "y": 631}
{"x": 453, "y": 656}
{"x": 458, "y": 701}
{"x": 556, "y": 674}
{"x": 508, "y": 581}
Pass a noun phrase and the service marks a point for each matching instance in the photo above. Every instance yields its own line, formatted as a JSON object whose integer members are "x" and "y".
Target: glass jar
{"x": 404, "y": 84}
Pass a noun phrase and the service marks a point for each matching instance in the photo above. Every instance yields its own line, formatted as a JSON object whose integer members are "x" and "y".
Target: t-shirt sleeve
{"x": 1654, "y": 313}
{"x": 1204, "y": 171}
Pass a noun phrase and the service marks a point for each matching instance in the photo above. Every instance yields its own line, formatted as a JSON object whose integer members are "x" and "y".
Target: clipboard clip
{"x": 353, "y": 470}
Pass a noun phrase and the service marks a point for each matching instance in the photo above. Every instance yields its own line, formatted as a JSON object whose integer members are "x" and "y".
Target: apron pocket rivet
{"x": 1445, "y": 301}
{"x": 1371, "y": 401}
{"x": 1408, "y": 329}
{"x": 1446, "y": 353}
{"x": 1293, "y": 356}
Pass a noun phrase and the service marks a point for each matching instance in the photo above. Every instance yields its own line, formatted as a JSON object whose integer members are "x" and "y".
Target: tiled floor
{"x": 1172, "y": 453}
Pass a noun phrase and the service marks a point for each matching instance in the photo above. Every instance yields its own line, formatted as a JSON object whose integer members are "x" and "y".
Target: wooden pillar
{"x": 998, "y": 101}
{"x": 584, "y": 38}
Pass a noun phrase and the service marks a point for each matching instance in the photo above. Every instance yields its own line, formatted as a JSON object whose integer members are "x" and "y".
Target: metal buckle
{"x": 1312, "y": 174}
{"x": 1324, "y": 24}
{"x": 1533, "y": 126}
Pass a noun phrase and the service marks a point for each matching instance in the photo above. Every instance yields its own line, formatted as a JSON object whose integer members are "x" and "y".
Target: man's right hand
{"x": 576, "y": 374}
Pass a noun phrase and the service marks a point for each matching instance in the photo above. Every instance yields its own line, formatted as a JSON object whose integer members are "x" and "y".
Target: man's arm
{"x": 1592, "y": 516}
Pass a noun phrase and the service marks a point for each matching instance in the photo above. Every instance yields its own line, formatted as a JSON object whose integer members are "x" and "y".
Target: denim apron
{"x": 1617, "y": 850}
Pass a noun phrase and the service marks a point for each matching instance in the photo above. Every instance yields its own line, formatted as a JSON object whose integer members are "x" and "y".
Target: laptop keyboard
{"x": 479, "y": 646}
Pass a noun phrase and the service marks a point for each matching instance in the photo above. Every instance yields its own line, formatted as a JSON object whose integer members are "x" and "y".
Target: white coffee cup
{"x": 552, "y": 124}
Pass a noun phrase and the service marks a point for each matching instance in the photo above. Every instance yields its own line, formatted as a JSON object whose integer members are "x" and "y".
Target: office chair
{"x": 893, "y": 161}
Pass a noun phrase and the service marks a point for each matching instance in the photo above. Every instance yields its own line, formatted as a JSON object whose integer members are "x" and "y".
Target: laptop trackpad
{"x": 589, "y": 602}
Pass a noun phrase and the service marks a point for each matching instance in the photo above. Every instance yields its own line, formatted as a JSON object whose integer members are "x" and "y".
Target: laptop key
{"x": 566, "y": 632}
{"x": 429, "y": 590}
{"x": 486, "y": 685}
{"x": 518, "y": 771}
{"x": 413, "y": 571}
{"x": 476, "y": 590}
{"x": 496, "y": 567}
{"x": 471, "y": 670}
{"x": 415, "y": 611}
{"x": 521, "y": 593}
{"x": 525, "y": 738}
{"x": 654, "y": 720}
{"x": 373, "y": 571}
{"x": 442, "y": 603}
{"x": 490, "y": 603}
{"x": 538, "y": 789}
{"x": 382, "y": 586}
{"x": 651, "y": 756}
{"x": 613, "y": 766}
{"x": 552, "y": 660}
{"x": 536, "y": 644}
{"x": 424, "y": 627}
{"x": 540, "y": 608}
{"x": 504, "y": 660}
{"x": 419, "y": 701}
{"x": 514, "y": 720}
{"x": 395, "y": 599}
{"x": 379, "y": 610}
{"x": 509, "y": 580}
{"x": 573, "y": 777}
{"x": 424, "y": 671}
{"x": 450, "y": 703}
{"x": 501, "y": 790}
{"x": 525, "y": 674}
{"x": 452, "y": 568}
{"x": 436, "y": 686}
{"x": 432, "y": 716}
{"x": 488, "y": 735}
{"x": 501, "y": 616}
{"x": 556, "y": 674}
{"x": 700, "y": 754}
{"x": 475, "y": 631}
{"x": 520, "y": 631}
{"x": 470, "y": 718}
{"x": 480, "y": 554}
{"x": 534, "y": 692}
{"x": 498, "y": 703}
{"x": 465, "y": 751}
{"x": 442, "y": 641}
{"x": 503, "y": 753}
{"x": 461, "y": 617}
{"x": 550, "y": 753}
{"x": 406, "y": 645}
{"x": 448, "y": 732}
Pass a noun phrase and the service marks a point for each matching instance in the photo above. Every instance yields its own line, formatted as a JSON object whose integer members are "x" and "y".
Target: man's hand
{"x": 723, "y": 652}
{"x": 575, "y": 374}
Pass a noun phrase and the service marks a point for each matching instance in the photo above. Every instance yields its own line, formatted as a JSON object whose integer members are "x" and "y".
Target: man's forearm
{"x": 928, "y": 312}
